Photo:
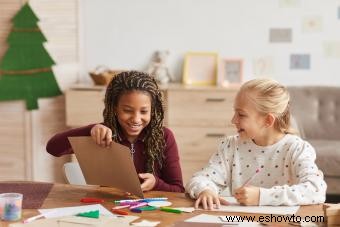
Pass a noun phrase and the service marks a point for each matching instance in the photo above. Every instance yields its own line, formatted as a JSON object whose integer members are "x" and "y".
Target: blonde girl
{"x": 287, "y": 173}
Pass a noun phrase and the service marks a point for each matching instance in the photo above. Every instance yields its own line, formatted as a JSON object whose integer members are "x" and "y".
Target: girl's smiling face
{"x": 249, "y": 122}
{"x": 133, "y": 113}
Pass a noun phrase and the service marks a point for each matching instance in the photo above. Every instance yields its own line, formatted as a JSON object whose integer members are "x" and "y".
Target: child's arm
{"x": 215, "y": 176}
{"x": 59, "y": 145}
{"x": 310, "y": 187}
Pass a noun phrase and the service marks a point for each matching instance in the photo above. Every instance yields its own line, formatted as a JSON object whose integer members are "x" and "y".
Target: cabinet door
{"x": 200, "y": 108}
{"x": 196, "y": 145}
{"x": 84, "y": 107}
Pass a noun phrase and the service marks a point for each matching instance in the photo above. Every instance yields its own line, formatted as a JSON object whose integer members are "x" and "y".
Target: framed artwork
{"x": 200, "y": 68}
{"x": 230, "y": 72}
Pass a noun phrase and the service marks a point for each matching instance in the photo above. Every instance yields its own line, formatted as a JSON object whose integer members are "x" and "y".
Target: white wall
{"x": 123, "y": 34}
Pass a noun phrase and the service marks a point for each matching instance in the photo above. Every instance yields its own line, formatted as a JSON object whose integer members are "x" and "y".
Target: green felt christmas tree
{"x": 26, "y": 68}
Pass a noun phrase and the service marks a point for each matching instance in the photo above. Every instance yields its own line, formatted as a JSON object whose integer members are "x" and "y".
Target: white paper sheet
{"x": 236, "y": 207}
{"x": 206, "y": 218}
{"x": 67, "y": 211}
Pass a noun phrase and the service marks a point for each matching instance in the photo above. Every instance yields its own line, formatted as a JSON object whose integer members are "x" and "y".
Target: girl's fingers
{"x": 197, "y": 203}
{"x": 223, "y": 201}
{"x": 217, "y": 201}
{"x": 210, "y": 203}
{"x": 108, "y": 137}
{"x": 97, "y": 134}
{"x": 204, "y": 203}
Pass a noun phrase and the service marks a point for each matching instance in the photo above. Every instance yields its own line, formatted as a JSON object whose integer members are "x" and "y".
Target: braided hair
{"x": 126, "y": 82}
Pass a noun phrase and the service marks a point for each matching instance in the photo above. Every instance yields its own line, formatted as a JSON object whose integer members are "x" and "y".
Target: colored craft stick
{"x": 136, "y": 210}
{"x": 129, "y": 203}
{"x": 138, "y": 205}
{"x": 171, "y": 210}
{"x": 121, "y": 212}
{"x": 148, "y": 208}
{"x": 120, "y": 207}
{"x": 91, "y": 200}
{"x": 141, "y": 200}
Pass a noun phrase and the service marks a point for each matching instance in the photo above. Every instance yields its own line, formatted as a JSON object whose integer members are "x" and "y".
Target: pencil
{"x": 28, "y": 220}
{"x": 251, "y": 178}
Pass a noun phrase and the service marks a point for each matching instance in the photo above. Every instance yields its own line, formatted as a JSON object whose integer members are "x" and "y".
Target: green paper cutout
{"x": 25, "y": 38}
{"x": 90, "y": 214}
{"x": 29, "y": 87}
{"x": 25, "y": 18}
{"x": 26, "y": 58}
{"x": 25, "y": 70}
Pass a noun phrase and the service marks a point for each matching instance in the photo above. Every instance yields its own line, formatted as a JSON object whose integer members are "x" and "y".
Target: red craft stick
{"x": 91, "y": 200}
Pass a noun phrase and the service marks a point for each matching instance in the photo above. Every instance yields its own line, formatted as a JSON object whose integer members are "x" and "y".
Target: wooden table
{"x": 63, "y": 195}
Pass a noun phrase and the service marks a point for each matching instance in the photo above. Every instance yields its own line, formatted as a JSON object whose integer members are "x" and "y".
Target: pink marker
{"x": 138, "y": 205}
{"x": 251, "y": 178}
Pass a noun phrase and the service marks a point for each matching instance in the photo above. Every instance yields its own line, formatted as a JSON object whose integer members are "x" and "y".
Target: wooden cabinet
{"x": 84, "y": 106}
{"x": 198, "y": 116}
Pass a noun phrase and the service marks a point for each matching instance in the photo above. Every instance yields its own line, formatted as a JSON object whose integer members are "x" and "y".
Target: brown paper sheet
{"x": 106, "y": 166}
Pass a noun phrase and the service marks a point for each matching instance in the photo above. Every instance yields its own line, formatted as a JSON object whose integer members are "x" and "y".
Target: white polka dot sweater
{"x": 288, "y": 173}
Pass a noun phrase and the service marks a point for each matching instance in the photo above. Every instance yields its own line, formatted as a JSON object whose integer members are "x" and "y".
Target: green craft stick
{"x": 171, "y": 210}
{"x": 148, "y": 208}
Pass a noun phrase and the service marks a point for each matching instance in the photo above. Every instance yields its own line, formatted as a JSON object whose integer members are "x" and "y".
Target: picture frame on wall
{"x": 200, "y": 68}
{"x": 230, "y": 72}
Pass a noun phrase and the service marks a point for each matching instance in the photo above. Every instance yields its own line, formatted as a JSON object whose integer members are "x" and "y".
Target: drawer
{"x": 200, "y": 108}
{"x": 199, "y": 141}
{"x": 84, "y": 107}
{"x": 12, "y": 166}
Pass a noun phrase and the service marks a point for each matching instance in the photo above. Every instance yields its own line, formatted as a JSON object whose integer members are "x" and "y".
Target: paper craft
{"x": 106, "y": 166}
{"x": 236, "y": 207}
{"x": 67, "y": 211}
{"x": 206, "y": 218}
{"x": 73, "y": 221}
{"x": 146, "y": 223}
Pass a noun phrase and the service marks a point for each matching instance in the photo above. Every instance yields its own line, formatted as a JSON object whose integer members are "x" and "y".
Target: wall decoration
{"x": 230, "y": 72}
{"x": 332, "y": 49}
{"x": 299, "y": 61}
{"x": 25, "y": 70}
{"x": 280, "y": 35}
{"x": 311, "y": 24}
{"x": 339, "y": 12}
{"x": 263, "y": 66}
{"x": 289, "y": 3}
{"x": 200, "y": 68}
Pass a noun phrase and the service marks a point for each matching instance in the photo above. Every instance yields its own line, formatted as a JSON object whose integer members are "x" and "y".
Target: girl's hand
{"x": 102, "y": 135}
{"x": 248, "y": 195}
{"x": 149, "y": 181}
{"x": 208, "y": 198}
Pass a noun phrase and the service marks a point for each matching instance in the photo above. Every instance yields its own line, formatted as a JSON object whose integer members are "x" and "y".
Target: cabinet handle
{"x": 215, "y": 99}
{"x": 214, "y": 135}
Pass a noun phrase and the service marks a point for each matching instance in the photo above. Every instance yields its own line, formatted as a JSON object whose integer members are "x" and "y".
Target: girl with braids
{"x": 133, "y": 116}
{"x": 265, "y": 164}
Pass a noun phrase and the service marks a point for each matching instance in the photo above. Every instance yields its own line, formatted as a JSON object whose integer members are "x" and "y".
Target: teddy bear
{"x": 158, "y": 68}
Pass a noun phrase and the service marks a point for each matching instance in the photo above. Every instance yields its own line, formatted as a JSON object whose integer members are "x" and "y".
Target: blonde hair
{"x": 269, "y": 96}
